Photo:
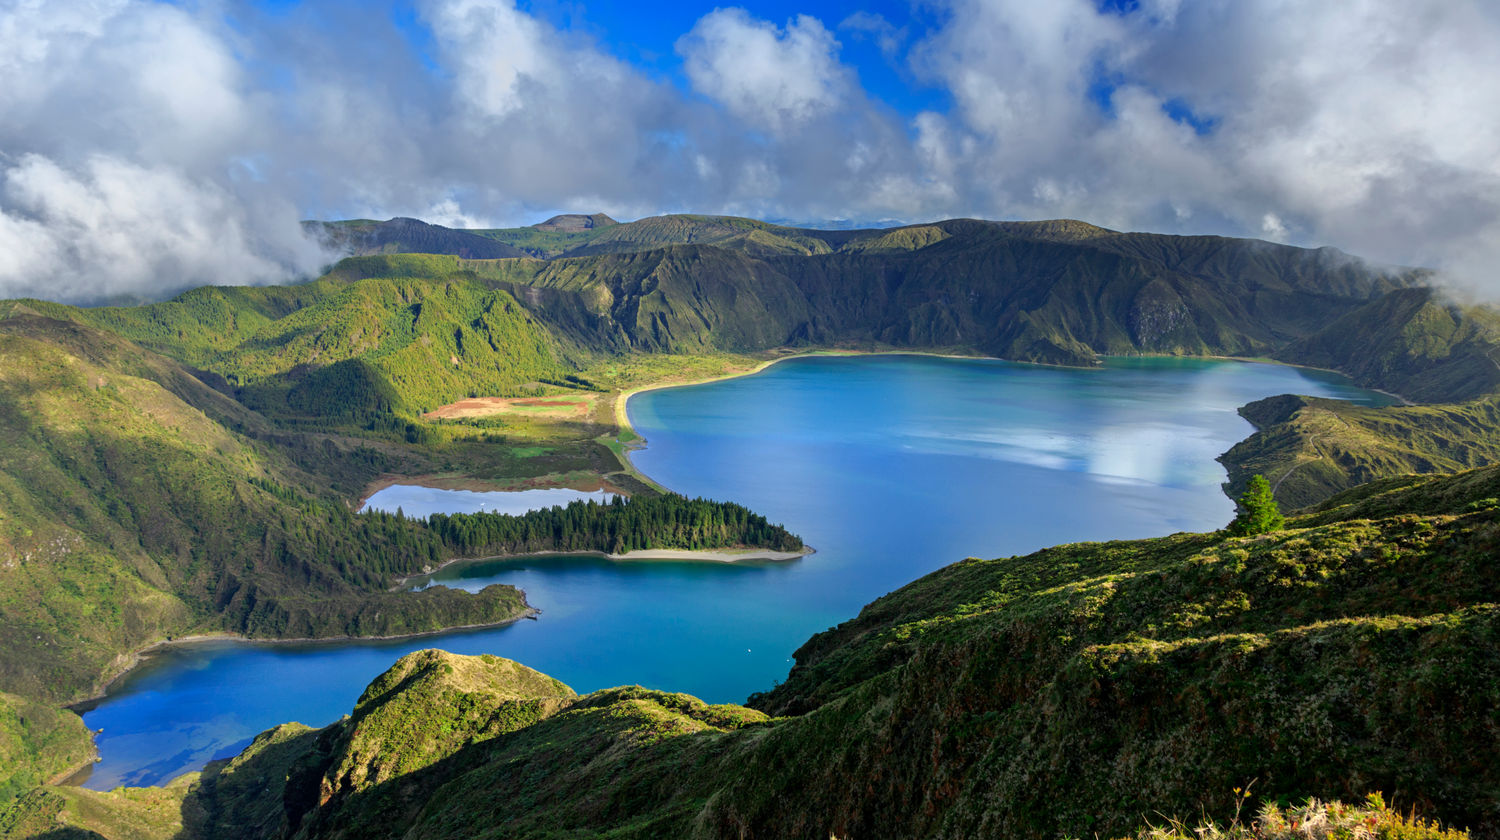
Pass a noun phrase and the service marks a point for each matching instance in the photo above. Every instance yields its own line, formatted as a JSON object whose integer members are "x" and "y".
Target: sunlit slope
{"x": 428, "y": 329}
{"x": 1120, "y": 681}
{"x": 38, "y": 742}
{"x": 1079, "y": 691}
{"x": 137, "y": 503}
{"x": 1312, "y": 448}
{"x": 1409, "y": 341}
{"x": 421, "y": 332}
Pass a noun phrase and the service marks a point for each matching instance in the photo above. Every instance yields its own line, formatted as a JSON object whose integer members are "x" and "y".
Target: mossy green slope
{"x": 38, "y": 743}
{"x": 1311, "y": 448}
{"x": 1085, "y": 689}
{"x": 421, "y": 333}
{"x": 138, "y": 503}
{"x": 402, "y": 236}
{"x": 1411, "y": 342}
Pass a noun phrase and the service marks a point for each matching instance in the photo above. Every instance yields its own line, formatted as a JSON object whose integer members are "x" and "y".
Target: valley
{"x": 194, "y": 465}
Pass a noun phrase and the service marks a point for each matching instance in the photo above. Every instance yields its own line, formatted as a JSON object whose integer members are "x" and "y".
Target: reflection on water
{"x": 890, "y": 466}
{"x": 421, "y": 502}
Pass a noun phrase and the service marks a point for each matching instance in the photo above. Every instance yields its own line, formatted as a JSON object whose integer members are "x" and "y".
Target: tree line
{"x": 615, "y": 527}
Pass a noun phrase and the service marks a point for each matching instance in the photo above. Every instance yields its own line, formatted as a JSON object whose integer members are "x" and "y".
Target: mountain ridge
{"x": 283, "y": 401}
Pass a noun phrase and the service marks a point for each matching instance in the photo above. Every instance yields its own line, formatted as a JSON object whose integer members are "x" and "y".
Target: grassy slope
{"x": 1312, "y": 448}
{"x": 402, "y": 236}
{"x": 1410, "y": 342}
{"x": 1413, "y": 343}
{"x": 1085, "y": 689}
{"x": 404, "y": 333}
{"x": 38, "y": 742}
{"x": 133, "y": 509}
{"x": 1020, "y": 697}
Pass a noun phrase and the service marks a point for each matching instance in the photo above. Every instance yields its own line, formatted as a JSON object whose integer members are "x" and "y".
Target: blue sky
{"x": 148, "y": 139}
{"x": 648, "y": 40}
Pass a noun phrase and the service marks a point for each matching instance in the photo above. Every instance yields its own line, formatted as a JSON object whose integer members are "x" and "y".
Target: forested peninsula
{"x": 192, "y": 465}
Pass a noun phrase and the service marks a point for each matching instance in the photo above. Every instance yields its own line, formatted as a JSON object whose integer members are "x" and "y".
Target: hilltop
{"x": 1084, "y": 689}
{"x": 191, "y": 466}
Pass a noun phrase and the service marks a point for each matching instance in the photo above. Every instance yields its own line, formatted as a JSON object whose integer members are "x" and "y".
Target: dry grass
{"x": 1312, "y": 820}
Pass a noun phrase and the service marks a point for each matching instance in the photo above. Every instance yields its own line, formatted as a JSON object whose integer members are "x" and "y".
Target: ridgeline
{"x": 192, "y": 466}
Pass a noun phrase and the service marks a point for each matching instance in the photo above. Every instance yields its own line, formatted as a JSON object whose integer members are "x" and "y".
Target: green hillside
{"x": 1414, "y": 343}
{"x": 38, "y": 743}
{"x": 423, "y": 333}
{"x": 137, "y": 503}
{"x": 408, "y": 236}
{"x": 1084, "y": 690}
{"x": 1313, "y": 448}
{"x": 191, "y": 465}
{"x": 383, "y": 338}
{"x": 1411, "y": 342}
{"x": 552, "y": 237}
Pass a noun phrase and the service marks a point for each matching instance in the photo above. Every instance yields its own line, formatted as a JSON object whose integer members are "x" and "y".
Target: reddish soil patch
{"x": 562, "y": 406}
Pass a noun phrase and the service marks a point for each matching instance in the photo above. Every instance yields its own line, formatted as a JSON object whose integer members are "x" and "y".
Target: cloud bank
{"x": 147, "y": 147}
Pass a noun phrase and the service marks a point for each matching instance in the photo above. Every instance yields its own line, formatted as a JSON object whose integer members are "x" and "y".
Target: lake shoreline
{"x": 726, "y": 556}
{"x": 622, "y": 419}
{"x": 140, "y": 656}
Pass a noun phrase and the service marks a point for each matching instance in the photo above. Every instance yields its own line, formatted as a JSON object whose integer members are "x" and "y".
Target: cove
{"x": 890, "y": 466}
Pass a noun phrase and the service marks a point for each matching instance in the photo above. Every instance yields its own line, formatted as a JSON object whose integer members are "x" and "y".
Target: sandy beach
{"x": 709, "y": 555}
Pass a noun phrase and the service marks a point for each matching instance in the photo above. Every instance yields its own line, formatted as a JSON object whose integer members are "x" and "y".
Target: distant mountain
{"x": 408, "y": 236}
{"x": 575, "y": 222}
{"x": 1056, "y": 292}
{"x": 188, "y": 466}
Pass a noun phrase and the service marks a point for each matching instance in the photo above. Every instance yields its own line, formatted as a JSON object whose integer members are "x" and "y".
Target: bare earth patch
{"x": 565, "y": 405}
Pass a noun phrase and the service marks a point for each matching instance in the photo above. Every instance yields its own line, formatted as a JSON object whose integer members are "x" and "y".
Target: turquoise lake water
{"x": 890, "y": 466}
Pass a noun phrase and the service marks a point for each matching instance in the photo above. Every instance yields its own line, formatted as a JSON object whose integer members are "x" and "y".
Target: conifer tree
{"x": 1258, "y": 512}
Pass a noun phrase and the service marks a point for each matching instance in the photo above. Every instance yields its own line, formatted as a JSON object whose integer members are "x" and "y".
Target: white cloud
{"x": 772, "y": 78}
{"x": 148, "y": 145}
{"x": 498, "y": 50}
{"x": 149, "y": 229}
{"x": 1369, "y": 125}
{"x": 872, "y": 25}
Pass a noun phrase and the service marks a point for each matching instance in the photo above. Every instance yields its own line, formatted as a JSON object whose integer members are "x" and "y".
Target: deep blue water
{"x": 890, "y": 466}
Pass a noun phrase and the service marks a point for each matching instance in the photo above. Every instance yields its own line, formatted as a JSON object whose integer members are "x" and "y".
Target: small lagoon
{"x": 890, "y": 466}
{"x": 420, "y": 502}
